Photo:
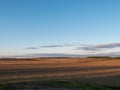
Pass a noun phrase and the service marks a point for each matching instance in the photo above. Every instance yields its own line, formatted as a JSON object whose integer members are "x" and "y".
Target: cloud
{"x": 99, "y": 47}
{"x": 112, "y": 54}
{"x": 32, "y": 48}
{"x": 52, "y": 46}
{"x": 55, "y": 55}
{"x": 88, "y": 48}
{"x": 80, "y": 49}
{"x": 111, "y": 45}
{"x": 37, "y": 55}
{"x": 55, "y": 46}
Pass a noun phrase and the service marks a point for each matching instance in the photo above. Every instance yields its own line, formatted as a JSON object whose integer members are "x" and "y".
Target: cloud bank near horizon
{"x": 84, "y": 47}
{"x": 77, "y": 50}
{"x": 37, "y": 55}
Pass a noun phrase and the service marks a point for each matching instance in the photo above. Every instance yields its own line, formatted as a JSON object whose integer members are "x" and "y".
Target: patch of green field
{"x": 73, "y": 85}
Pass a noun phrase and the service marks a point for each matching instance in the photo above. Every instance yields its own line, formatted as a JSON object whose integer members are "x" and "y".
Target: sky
{"x": 36, "y": 28}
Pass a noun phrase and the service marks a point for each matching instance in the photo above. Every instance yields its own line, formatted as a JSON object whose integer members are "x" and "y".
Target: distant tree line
{"x": 104, "y": 57}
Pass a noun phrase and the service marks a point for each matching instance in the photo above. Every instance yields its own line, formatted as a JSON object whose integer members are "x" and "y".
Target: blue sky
{"x": 69, "y": 26}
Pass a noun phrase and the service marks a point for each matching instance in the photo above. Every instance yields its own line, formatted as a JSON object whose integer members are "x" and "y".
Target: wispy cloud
{"x": 99, "y": 47}
{"x": 52, "y": 46}
{"x": 111, "y": 45}
{"x": 60, "y": 45}
{"x": 32, "y": 48}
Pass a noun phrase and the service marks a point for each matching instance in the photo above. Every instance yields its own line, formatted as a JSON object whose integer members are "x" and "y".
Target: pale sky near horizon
{"x": 59, "y": 27}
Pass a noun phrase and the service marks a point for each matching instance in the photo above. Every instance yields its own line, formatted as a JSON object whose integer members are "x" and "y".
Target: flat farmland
{"x": 102, "y": 71}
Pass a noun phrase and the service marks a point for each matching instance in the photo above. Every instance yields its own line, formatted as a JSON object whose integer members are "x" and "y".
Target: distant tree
{"x": 99, "y": 57}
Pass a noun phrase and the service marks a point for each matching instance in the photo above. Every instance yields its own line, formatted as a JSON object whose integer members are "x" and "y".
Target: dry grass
{"x": 94, "y": 70}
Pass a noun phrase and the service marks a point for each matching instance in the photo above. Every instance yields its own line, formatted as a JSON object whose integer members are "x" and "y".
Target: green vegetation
{"x": 116, "y": 57}
{"x": 4, "y": 87}
{"x": 74, "y": 85}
